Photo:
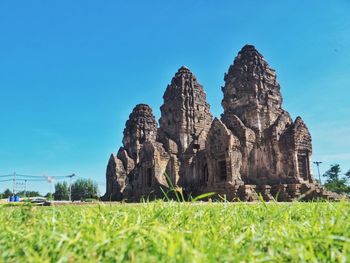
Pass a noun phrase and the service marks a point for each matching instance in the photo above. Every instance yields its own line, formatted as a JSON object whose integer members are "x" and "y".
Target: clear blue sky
{"x": 71, "y": 72}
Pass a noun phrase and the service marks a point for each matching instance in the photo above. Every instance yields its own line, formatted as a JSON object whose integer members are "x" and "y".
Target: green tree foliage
{"x": 61, "y": 191}
{"x": 49, "y": 196}
{"x": 83, "y": 189}
{"x": 335, "y": 182}
{"x": 29, "y": 194}
{"x": 348, "y": 174}
{"x": 7, "y": 193}
{"x": 333, "y": 173}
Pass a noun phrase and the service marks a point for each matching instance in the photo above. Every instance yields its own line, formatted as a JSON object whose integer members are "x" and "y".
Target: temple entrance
{"x": 303, "y": 165}
{"x": 204, "y": 176}
{"x": 149, "y": 177}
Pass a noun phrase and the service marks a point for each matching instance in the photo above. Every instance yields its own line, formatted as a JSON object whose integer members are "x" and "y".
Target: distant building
{"x": 255, "y": 148}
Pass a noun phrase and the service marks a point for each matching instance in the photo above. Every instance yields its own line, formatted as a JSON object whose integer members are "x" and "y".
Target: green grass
{"x": 177, "y": 232}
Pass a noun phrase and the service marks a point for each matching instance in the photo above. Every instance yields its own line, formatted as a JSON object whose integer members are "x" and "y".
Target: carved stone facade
{"x": 254, "y": 149}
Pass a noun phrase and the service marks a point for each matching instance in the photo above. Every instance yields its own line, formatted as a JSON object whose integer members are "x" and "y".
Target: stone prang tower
{"x": 254, "y": 149}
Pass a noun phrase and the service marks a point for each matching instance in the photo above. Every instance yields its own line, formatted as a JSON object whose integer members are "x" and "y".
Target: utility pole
{"x": 25, "y": 188}
{"x": 50, "y": 180}
{"x": 14, "y": 184}
{"x": 318, "y": 168}
{"x": 70, "y": 186}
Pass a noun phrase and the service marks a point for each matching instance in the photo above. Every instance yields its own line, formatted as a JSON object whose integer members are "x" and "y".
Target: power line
{"x": 24, "y": 175}
{"x": 31, "y": 178}
{"x": 35, "y": 176}
{"x": 8, "y": 180}
{"x": 7, "y": 175}
{"x": 41, "y": 178}
{"x": 28, "y": 180}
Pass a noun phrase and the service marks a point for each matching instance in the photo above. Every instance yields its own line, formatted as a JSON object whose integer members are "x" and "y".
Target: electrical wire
{"x": 7, "y": 175}
{"x": 8, "y": 180}
{"x": 34, "y": 176}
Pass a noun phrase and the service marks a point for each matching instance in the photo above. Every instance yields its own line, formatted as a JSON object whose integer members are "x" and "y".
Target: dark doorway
{"x": 222, "y": 171}
{"x": 303, "y": 165}
{"x": 149, "y": 177}
{"x": 205, "y": 175}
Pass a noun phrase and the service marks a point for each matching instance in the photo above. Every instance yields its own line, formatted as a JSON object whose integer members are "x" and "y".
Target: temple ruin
{"x": 255, "y": 150}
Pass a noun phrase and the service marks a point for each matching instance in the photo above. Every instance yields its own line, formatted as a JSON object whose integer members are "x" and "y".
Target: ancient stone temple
{"x": 255, "y": 150}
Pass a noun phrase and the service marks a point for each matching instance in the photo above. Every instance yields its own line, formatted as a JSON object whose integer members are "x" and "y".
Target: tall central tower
{"x": 185, "y": 114}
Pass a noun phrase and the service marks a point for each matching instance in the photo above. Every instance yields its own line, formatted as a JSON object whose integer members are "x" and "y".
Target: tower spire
{"x": 251, "y": 90}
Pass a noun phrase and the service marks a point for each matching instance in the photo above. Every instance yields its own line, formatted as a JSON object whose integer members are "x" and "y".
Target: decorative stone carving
{"x": 251, "y": 90}
{"x": 184, "y": 123}
{"x": 140, "y": 127}
{"x": 253, "y": 103}
{"x": 224, "y": 157}
{"x": 185, "y": 114}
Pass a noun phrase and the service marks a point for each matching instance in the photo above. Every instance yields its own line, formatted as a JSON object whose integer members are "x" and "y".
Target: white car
{"x": 38, "y": 200}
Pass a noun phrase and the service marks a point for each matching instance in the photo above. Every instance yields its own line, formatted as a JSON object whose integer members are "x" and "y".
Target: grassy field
{"x": 177, "y": 232}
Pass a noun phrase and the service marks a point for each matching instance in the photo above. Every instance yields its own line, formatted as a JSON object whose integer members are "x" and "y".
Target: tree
{"x": 334, "y": 182}
{"x": 32, "y": 194}
{"x": 28, "y": 194}
{"x": 61, "y": 191}
{"x": 348, "y": 174}
{"x": 333, "y": 173}
{"x": 83, "y": 189}
{"x": 7, "y": 193}
{"x": 48, "y": 196}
